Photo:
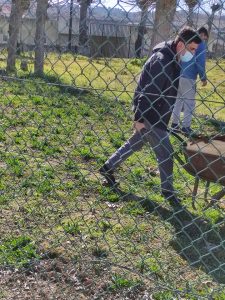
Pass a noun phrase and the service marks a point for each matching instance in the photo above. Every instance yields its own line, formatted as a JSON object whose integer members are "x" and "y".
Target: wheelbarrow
{"x": 204, "y": 158}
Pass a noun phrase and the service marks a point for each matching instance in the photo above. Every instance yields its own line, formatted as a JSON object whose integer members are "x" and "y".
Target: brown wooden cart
{"x": 204, "y": 158}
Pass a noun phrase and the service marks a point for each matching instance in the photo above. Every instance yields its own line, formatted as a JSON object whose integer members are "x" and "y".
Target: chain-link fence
{"x": 82, "y": 218}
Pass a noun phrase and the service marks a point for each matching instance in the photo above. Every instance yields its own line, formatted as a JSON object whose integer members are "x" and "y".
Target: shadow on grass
{"x": 54, "y": 79}
{"x": 218, "y": 124}
{"x": 196, "y": 239}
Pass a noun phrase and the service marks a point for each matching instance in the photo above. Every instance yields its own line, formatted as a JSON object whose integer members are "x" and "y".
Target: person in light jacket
{"x": 187, "y": 85}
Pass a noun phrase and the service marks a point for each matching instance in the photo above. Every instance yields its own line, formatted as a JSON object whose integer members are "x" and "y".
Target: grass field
{"x": 63, "y": 234}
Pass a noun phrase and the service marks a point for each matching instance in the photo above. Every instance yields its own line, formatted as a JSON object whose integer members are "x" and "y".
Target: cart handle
{"x": 175, "y": 154}
{"x": 177, "y": 136}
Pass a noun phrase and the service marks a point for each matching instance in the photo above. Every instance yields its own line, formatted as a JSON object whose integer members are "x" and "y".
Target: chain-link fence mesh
{"x": 68, "y": 74}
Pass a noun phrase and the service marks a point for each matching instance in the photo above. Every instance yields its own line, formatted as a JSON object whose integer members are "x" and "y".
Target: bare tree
{"x": 41, "y": 16}
{"x": 18, "y": 7}
{"x": 83, "y": 34}
{"x": 164, "y": 15}
{"x": 70, "y": 26}
{"x": 191, "y": 5}
{"x": 144, "y": 6}
{"x": 214, "y": 8}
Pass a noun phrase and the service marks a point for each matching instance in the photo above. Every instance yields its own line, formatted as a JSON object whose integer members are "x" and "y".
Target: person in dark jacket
{"x": 154, "y": 99}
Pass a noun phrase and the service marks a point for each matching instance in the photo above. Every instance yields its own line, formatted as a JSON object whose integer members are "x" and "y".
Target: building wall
{"x": 63, "y": 40}
{"x": 4, "y": 28}
{"x": 63, "y": 26}
{"x": 27, "y": 32}
{"x": 101, "y": 46}
{"x": 117, "y": 46}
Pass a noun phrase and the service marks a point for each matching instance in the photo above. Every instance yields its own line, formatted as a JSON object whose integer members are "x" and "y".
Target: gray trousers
{"x": 158, "y": 139}
{"x": 185, "y": 100}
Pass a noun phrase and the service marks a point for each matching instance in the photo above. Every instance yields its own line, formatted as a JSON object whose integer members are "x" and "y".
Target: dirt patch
{"x": 61, "y": 279}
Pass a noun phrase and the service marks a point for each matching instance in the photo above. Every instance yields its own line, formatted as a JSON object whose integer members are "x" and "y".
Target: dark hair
{"x": 188, "y": 35}
{"x": 203, "y": 30}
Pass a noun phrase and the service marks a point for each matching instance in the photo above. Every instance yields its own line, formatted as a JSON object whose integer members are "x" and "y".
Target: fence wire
{"x": 82, "y": 218}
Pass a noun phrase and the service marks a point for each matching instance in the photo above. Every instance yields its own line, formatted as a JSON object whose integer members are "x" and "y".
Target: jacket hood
{"x": 165, "y": 47}
{"x": 159, "y": 47}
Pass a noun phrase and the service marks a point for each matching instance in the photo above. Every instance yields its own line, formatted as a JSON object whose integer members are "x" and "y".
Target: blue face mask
{"x": 187, "y": 56}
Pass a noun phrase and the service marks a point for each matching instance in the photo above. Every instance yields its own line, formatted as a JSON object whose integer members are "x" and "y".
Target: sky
{"x": 114, "y": 3}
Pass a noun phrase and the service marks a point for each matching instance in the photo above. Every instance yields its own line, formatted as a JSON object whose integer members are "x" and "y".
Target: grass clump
{"x": 17, "y": 252}
{"x": 72, "y": 228}
{"x": 120, "y": 282}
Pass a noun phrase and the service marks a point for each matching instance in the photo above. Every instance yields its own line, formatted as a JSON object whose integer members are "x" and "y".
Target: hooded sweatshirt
{"x": 156, "y": 92}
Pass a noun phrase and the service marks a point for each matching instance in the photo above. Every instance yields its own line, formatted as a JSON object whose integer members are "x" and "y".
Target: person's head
{"x": 203, "y": 33}
{"x": 187, "y": 42}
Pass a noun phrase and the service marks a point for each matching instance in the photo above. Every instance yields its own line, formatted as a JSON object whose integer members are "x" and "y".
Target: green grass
{"x": 17, "y": 252}
{"x": 72, "y": 228}
{"x": 55, "y": 133}
{"x": 121, "y": 282}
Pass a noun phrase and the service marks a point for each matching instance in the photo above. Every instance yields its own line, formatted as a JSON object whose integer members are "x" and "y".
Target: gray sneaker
{"x": 175, "y": 127}
{"x": 187, "y": 130}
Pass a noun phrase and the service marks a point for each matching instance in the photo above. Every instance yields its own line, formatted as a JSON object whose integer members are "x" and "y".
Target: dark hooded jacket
{"x": 157, "y": 87}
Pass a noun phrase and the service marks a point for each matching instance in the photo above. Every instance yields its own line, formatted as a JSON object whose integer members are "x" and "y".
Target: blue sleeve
{"x": 200, "y": 60}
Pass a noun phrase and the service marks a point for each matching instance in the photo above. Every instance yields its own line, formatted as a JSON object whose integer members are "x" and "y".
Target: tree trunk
{"x": 214, "y": 8}
{"x": 70, "y": 26}
{"x": 164, "y": 14}
{"x": 83, "y": 37}
{"x": 191, "y": 5}
{"x": 141, "y": 32}
{"x": 210, "y": 21}
{"x": 17, "y": 10}
{"x": 190, "y": 21}
{"x": 41, "y": 16}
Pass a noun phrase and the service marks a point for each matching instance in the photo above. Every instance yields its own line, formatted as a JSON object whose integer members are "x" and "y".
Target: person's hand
{"x": 204, "y": 82}
{"x": 138, "y": 126}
